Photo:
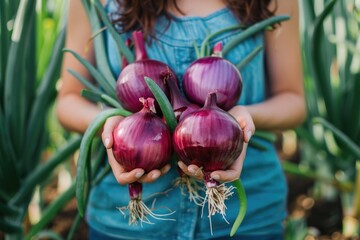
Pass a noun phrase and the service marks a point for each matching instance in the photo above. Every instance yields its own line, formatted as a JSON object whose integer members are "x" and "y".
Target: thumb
{"x": 107, "y": 134}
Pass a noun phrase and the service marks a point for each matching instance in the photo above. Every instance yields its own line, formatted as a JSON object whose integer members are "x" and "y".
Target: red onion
{"x": 182, "y": 107}
{"x": 131, "y": 85}
{"x": 141, "y": 140}
{"x": 179, "y": 103}
{"x": 211, "y": 139}
{"x": 213, "y": 74}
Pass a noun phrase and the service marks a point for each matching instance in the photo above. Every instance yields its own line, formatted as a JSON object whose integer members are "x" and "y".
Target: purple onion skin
{"x": 209, "y": 138}
{"x": 142, "y": 140}
{"x": 180, "y": 114}
{"x": 131, "y": 84}
{"x": 135, "y": 190}
{"x": 213, "y": 74}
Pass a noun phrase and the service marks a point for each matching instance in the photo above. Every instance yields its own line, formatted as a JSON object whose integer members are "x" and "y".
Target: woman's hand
{"x": 119, "y": 172}
{"x": 246, "y": 123}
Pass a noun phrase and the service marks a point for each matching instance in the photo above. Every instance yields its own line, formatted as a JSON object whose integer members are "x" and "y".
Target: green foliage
{"x": 329, "y": 140}
{"x": 32, "y": 36}
{"x": 332, "y": 80}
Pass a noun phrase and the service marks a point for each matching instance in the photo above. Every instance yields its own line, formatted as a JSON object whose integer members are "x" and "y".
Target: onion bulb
{"x": 213, "y": 74}
{"x": 141, "y": 140}
{"x": 213, "y": 140}
{"x": 131, "y": 86}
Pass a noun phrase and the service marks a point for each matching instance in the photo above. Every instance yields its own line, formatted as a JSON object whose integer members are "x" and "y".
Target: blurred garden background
{"x": 38, "y": 157}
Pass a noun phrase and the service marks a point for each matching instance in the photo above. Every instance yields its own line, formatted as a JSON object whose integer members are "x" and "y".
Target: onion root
{"x": 139, "y": 212}
{"x": 215, "y": 198}
{"x": 192, "y": 187}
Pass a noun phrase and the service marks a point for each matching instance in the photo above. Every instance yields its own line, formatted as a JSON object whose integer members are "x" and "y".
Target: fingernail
{"x": 249, "y": 134}
{"x": 107, "y": 142}
{"x": 139, "y": 174}
{"x": 216, "y": 177}
{"x": 167, "y": 168}
{"x": 155, "y": 175}
{"x": 180, "y": 164}
{"x": 192, "y": 170}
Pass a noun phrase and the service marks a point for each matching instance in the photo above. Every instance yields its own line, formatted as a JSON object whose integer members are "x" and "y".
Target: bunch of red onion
{"x": 182, "y": 107}
{"x": 211, "y": 139}
{"x": 142, "y": 140}
{"x": 211, "y": 74}
{"x": 208, "y": 137}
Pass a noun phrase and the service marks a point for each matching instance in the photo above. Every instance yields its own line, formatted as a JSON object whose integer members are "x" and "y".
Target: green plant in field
{"x": 330, "y": 139}
{"x": 31, "y": 40}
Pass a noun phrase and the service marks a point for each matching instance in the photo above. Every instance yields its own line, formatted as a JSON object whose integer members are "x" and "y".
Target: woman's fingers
{"x": 191, "y": 170}
{"x": 225, "y": 176}
{"x": 155, "y": 174}
{"x": 234, "y": 171}
{"x": 248, "y": 127}
{"x": 108, "y": 128}
{"x": 119, "y": 172}
{"x": 228, "y": 175}
{"x": 137, "y": 174}
{"x": 241, "y": 114}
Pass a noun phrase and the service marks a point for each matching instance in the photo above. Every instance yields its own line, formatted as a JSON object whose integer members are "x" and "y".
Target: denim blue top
{"x": 261, "y": 176}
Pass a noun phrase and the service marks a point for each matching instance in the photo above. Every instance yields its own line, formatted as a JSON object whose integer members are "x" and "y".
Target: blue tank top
{"x": 262, "y": 175}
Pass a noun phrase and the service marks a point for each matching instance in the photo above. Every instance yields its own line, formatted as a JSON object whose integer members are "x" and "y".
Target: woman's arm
{"x": 285, "y": 108}
{"x": 74, "y": 112}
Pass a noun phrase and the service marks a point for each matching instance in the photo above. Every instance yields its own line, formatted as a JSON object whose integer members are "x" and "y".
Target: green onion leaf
{"x": 9, "y": 226}
{"x": 84, "y": 153}
{"x": 120, "y": 43}
{"x": 349, "y": 144}
{"x": 85, "y": 82}
{"x": 102, "y": 62}
{"x": 103, "y": 98}
{"x": 251, "y": 31}
{"x": 243, "y": 206}
{"x": 205, "y": 43}
{"x": 109, "y": 87}
{"x": 249, "y": 57}
{"x": 41, "y": 173}
{"x": 265, "y": 135}
{"x": 163, "y": 102}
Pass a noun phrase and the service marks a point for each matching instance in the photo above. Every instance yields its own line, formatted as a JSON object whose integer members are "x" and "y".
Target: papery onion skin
{"x": 213, "y": 74}
{"x": 142, "y": 140}
{"x": 209, "y": 138}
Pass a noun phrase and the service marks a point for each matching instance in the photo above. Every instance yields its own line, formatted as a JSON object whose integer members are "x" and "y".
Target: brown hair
{"x": 141, "y": 14}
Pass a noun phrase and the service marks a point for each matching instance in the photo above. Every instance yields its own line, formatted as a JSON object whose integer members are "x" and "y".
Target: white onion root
{"x": 139, "y": 212}
{"x": 192, "y": 187}
{"x": 215, "y": 198}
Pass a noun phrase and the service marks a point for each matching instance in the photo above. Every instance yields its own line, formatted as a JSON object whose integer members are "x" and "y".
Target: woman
{"x": 272, "y": 99}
